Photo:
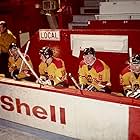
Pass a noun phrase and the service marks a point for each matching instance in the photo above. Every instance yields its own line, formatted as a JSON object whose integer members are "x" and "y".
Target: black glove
{"x": 137, "y": 94}
{"x": 14, "y": 74}
{"x": 91, "y": 88}
{"x": 106, "y": 89}
{"x": 82, "y": 86}
{"x": 128, "y": 92}
{"x": 136, "y": 86}
{"x": 62, "y": 84}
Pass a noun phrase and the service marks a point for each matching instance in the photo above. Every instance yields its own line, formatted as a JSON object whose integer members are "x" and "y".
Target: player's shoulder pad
{"x": 125, "y": 70}
{"x": 81, "y": 64}
{"x": 58, "y": 62}
{"x": 98, "y": 65}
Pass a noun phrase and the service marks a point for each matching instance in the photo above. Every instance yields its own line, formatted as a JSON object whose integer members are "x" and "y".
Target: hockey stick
{"x": 74, "y": 81}
{"x": 130, "y": 55}
{"x": 26, "y": 50}
{"x": 29, "y": 66}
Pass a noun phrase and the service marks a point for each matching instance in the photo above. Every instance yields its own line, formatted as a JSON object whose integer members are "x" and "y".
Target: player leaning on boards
{"x": 15, "y": 62}
{"x": 52, "y": 70}
{"x": 130, "y": 78}
{"x": 94, "y": 74}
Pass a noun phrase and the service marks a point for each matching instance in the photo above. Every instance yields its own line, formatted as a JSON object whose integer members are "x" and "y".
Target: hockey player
{"x": 6, "y": 38}
{"x": 94, "y": 74}
{"x": 52, "y": 70}
{"x": 14, "y": 64}
{"x": 130, "y": 77}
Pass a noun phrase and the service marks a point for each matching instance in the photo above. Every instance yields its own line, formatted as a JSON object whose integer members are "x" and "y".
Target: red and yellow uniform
{"x": 129, "y": 79}
{"x": 55, "y": 71}
{"x": 6, "y": 38}
{"x": 97, "y": 75}
{"x": 16, "y": 64}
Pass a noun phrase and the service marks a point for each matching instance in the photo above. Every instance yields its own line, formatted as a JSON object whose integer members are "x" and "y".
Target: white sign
{"x": 24, "y": 37}
{"x": 101, "y": 43}
{"x": 73, "y": 116}
{"x": 53, "y": 35}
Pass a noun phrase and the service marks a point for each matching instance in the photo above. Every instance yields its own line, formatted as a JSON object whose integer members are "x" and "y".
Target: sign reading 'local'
{"x": 49, "y": 35}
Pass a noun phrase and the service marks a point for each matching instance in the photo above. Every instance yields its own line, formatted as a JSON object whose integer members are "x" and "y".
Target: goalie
{"x": 130, "y": 78}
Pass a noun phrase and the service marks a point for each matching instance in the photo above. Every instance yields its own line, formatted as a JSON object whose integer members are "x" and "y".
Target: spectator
{"x": 94, "y": 74}
{"x": 6, "y": 38}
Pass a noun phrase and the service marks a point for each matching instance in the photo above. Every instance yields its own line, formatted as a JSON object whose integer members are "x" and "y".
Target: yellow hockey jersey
{"x": 128, "y": 79}
{"x": 98, "y": 75}
{"x": 16, "y": 64}
{"x": 6, "y": 39}
{"x": 55, "y": 71}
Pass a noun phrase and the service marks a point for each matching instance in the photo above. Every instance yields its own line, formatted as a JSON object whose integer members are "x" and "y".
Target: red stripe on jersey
{"x": 58, "y": 62}
{"x": 125, "y": 70}
{"x": 98, "y": 66}
{"x": 81, "y": 64}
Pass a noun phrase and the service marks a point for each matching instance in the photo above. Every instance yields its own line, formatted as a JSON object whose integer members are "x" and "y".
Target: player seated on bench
{"x": 130, "y": 78}
{"x": 94, "y": 74}
{"x": 18, "y": 71}
{"x": 52, "y": 70}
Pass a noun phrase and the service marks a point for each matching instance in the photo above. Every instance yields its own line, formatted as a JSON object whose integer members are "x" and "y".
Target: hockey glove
{"x": 14, "y": 74}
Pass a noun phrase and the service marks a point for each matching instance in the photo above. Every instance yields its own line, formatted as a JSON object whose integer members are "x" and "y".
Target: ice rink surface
{"x": 13, "y": 131}
{"x": 13, "y": 134}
